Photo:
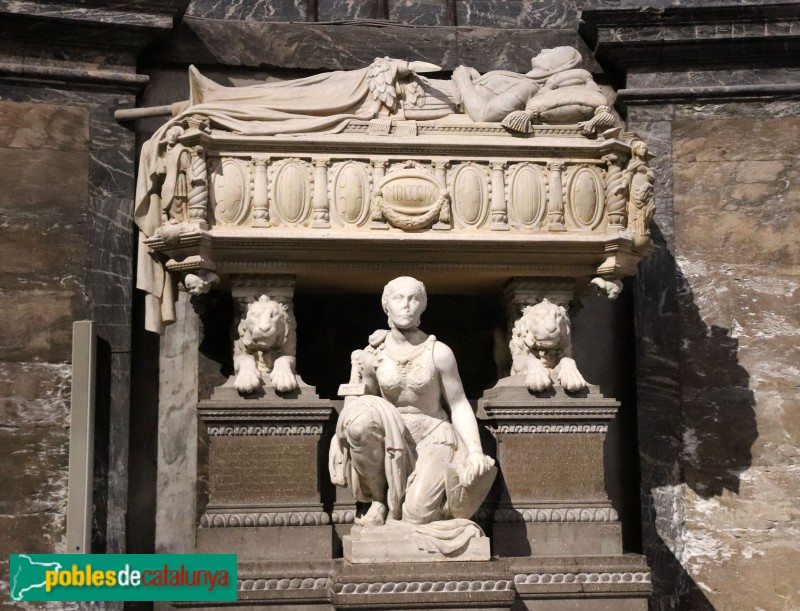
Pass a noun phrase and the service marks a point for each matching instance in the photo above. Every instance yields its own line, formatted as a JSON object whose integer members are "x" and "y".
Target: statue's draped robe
{"x": 446, "y": 536}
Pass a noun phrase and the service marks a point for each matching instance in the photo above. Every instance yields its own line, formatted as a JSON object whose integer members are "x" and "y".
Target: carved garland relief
{"x": 411, "y": 199}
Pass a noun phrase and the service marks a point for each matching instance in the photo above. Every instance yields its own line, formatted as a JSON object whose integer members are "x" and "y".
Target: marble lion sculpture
{"x": 266, "y": 346}
{"x": 541, "y": 346}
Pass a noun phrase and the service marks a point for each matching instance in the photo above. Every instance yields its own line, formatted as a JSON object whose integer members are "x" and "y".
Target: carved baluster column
{"x": 379, "y": 170}
{"x": 555, "y": 203}
{"x": 198, "y": 194}
{"x": 440, "y": 171}
{"x": 376, "y": 216}
{"x": 499, "y": 208}
{"x": 616, "y": 194}
{"x": 260, "y": 193}
{"x": 321, "y": 214}
{"x": 445, "y": 215}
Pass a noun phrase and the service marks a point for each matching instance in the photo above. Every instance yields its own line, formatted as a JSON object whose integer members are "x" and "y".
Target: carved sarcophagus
{"x": 385, "y": 195}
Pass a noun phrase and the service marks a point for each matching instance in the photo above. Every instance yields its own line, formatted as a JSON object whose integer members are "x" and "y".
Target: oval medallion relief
{"x": 585, "y": 198}
{"x": 230, "y": 191}
{"x": 528, "y": 196}
{"x": 350, "y": 190}
{"x": 291, "y": 190}
{"x": 470, "y": 195}
{"x": 410, "y": 199}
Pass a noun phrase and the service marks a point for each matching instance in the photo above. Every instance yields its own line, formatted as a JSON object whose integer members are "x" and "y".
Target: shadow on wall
{"x": 696, "y": 420}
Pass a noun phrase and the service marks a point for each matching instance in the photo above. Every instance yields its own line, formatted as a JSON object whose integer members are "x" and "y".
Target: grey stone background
{"x": 708, "y": 445}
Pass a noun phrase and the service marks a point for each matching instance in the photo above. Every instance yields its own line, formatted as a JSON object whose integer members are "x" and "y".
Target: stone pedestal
{"x": 393, "y": 543}
{"x": 550, "y": 453}
{"x": 263, "y": 473}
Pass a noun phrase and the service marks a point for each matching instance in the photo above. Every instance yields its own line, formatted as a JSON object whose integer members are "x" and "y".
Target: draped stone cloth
{"x": 417, "y": 450}
{"x": 322, "y": 103}
{"x": 399, "y": 456}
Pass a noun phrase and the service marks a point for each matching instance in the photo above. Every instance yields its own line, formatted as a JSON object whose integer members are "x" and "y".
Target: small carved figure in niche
{"x": 607, "y": 288}
{"x": 541, "y": 346}
{"x": 397, "y": 447}
{"x": 175, "y": 165}
{"x": 553, "y": 91}
{"x": 266, "y": 347}
{"x": 641, "y": 200}
{"x": 200, "y": 283}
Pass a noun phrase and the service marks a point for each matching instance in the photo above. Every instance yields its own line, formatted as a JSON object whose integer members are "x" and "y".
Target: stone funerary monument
{"x": 521, "y": 188}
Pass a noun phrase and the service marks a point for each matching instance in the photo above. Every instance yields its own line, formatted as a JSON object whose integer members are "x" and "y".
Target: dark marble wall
{"x": 525, "y": 14}
{"x": 65, "y": 255}
{"x": 716, "y": 319}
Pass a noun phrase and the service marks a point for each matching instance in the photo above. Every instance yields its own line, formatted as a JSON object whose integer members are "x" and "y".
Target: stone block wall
{"x": 43, "y": 251}
{"x": 65, "y": 255}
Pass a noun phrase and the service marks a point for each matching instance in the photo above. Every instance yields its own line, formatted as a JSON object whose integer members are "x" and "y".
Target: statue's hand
{"x": 464, "y": 73}
{"x": 477, "y": 464}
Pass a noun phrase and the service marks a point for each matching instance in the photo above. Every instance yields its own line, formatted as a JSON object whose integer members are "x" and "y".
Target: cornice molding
{"x": 693, "y": 37}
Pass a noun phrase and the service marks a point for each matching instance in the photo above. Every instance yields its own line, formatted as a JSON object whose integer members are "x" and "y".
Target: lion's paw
{"x": 283, "y": 381}
{"x": 569, "y": 377}
{"x": 247, "y": 380}
{"x": 538, "y": 379}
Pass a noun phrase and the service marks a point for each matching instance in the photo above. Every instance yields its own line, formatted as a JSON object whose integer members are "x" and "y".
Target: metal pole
{"x": 132, "y": 114}
{"x": 81, "y": 438}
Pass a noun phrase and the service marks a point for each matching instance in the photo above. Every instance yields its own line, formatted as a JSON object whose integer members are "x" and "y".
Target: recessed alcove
{"x": 331, "y": 326}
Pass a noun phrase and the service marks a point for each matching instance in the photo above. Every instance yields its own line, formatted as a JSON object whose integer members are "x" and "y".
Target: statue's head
{"x": 639, "y": 149}
{"x": 404, "y": 300}
{"x": 552, "y": 61}
{"x": 266, "y": 324}
{"x": 173, "y": 133}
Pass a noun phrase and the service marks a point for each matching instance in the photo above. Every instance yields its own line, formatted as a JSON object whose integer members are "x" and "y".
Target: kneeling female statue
{"x": 422, "y": 469}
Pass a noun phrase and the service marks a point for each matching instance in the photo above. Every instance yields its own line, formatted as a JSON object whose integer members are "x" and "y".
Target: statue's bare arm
{"x": 368, "y": 376}
{"x": 482, "y": 104}
{"x": 464, "y": 421}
